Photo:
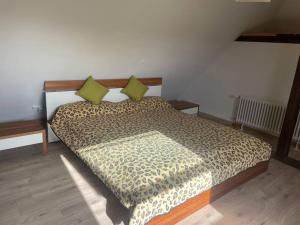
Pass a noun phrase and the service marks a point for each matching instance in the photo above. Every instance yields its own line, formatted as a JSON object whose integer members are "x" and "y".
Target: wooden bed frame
{"x": 192, "y": 205}
{"x": 67, "y": 85}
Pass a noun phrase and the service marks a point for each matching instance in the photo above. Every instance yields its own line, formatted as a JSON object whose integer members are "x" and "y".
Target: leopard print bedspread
{"x": 151, "y": 156}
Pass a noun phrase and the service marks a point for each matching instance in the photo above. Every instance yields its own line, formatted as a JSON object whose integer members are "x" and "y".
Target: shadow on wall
{"x": 285, "y": 21}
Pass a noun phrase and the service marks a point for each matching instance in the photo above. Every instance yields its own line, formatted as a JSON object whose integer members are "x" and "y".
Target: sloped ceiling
{"x": 69, "y": 39}
{"x": 220, "y": 23}
{"x": 262, "y": 70}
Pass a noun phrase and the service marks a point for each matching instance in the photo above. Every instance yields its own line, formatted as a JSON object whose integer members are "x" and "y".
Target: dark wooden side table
{"x": 185, "y": 106}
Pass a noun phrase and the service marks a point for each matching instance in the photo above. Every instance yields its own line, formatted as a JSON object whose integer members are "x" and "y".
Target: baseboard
{"x": 216, "y": 119}
{"x": 258, "y": 133}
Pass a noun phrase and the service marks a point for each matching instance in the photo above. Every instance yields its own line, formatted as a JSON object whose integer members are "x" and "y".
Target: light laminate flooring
{"x": 58, "y": 189}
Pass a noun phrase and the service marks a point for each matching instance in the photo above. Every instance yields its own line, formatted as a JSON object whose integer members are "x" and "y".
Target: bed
{"x": 160, "y": 163}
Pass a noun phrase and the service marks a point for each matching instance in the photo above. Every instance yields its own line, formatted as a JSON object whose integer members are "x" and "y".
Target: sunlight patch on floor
{"x": 88, "y": 193}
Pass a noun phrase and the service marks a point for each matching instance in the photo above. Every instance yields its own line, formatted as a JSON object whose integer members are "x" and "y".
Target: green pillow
{"x": 135, "y": 89}
{"x": 92, "y": 91}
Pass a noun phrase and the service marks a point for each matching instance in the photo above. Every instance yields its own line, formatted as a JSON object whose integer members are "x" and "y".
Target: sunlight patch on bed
{"x": 145, "y": 163}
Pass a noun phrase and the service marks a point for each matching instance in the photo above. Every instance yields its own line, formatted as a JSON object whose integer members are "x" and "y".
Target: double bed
{"x": 160, "y": 163}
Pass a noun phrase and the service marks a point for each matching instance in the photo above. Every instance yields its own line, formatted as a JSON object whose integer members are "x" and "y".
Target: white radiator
{"x": 263, "y": 115}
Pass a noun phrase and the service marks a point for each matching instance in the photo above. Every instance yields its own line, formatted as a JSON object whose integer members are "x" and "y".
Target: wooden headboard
{"x": 67, "y": 85}
{"x": 62, "y": 92}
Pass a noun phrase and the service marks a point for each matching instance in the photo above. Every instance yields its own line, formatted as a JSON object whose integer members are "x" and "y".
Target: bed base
{"x": 192, "y": 205}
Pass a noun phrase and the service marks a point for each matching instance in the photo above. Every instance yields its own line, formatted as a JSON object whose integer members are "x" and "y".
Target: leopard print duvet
{"x": 151, "y": 156}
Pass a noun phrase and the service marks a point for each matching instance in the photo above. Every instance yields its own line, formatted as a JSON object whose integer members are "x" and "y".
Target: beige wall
{"x": 69, "y": 39}
{"x": 262, "y": 70}
{"x": 287, "y": 20}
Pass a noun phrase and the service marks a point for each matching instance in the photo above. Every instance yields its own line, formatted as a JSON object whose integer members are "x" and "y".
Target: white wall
{"x": 69, "y": 39}
{"x": 261, "y": 70}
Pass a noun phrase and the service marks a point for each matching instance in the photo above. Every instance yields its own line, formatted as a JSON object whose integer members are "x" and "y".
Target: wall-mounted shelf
{"x": 270, "y": 37}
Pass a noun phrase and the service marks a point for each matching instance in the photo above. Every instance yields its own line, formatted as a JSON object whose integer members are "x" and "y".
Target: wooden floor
{"x": 294, "y": 152}
{"x": 59, "y": 189}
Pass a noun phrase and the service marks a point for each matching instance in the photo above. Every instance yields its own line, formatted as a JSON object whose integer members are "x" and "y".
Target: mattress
{"x": 151, "y": 156}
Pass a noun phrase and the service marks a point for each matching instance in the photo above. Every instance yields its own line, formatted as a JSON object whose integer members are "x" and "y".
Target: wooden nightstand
{"x": 186, "y": 107}
{"x": 17, "y": 134}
